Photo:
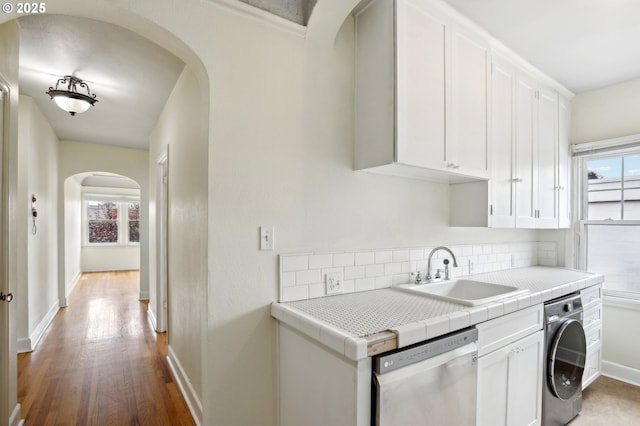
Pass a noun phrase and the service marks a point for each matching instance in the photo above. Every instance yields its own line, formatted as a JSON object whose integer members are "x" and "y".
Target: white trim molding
{"x": 257, "y": 14}
{"x": 152, "y": 318}
{"x": 621, "y": 372}
{"x": 621, "y": 302}
{"x": 181, "y": 378}
{"x": 615, "y": 144}
{"x": 15, "y": 419}
{"x": 28, "y": 344}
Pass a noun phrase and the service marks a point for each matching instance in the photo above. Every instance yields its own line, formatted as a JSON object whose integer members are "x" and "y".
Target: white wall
{"x": 72, "y": 232}
{"x": 621, "y": 346}
{"x": 604, "y": 114}
{"x": 96, "y": 259}
{"x": 79, "y": 157}
{"x": 38, "y": 162}
{"x": 182, "y": 127}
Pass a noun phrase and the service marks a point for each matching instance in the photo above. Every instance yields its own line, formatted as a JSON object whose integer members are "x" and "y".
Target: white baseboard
{"x": 15, "y": 419}
{"x": 621, "y": 372}
{"x": 189, "y": 394}
{"x": 144, "y": 295}
{"x": 74, "y": 282}
{"x": 64, "y": 302}
{"x": 151, "y": 317}
{"x": 28, "y": 344}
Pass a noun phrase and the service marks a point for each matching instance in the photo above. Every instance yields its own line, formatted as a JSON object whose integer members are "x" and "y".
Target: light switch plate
{"x": 266, "y": 238}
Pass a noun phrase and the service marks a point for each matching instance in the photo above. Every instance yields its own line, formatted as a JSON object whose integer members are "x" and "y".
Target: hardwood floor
{"x": 100, "y": 362}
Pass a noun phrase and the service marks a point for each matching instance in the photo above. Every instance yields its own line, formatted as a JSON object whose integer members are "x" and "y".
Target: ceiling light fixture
{"x": 71, "y": 100}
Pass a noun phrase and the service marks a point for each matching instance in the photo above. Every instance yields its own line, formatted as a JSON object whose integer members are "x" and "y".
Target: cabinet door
{"x": 503, "y": 82}
{"x": 564, "y": 164}
{"x": 510, "y": 384}
{"x": 547, "y": 159}
{"x": 526, "y": 135}
{"x": 466, "y": 148}
{"x": 493, "y": 388}
{"x": 525, "y": 381}
{"x": 421, "y": 86}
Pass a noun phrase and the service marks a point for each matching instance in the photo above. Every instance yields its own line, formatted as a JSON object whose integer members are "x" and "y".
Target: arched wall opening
{"x": 102, "y": 224}
{"x": 159, "y": 22}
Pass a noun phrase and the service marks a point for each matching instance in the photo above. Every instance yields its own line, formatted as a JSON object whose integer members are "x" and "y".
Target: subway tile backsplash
{"x": 302, "y": 276}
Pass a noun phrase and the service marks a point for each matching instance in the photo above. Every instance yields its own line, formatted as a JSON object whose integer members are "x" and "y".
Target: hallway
{"x": 100, "y": 362}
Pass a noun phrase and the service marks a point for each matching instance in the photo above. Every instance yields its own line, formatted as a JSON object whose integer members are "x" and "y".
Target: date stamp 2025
{"x": 24, "y": 8}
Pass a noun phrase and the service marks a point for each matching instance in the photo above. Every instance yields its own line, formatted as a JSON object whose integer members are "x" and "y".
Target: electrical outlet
{"x": 266, "y": 238}
{"x": 333, "y": 281}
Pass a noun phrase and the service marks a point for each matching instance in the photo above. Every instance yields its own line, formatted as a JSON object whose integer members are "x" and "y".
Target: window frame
{"x": 582, "y": 189}
{"x": 122, "y": 204}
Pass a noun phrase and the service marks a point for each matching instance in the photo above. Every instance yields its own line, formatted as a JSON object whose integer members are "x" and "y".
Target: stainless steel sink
{"x": 465, "y": 291}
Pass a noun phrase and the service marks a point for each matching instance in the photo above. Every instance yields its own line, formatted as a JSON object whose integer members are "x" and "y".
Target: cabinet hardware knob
{"x": 6, "y": 297}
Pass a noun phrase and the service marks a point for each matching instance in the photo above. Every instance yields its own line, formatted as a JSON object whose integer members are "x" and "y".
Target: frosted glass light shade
{"x": 71, "y": 105}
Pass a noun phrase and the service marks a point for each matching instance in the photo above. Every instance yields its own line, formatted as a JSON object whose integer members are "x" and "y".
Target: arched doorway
{"x": 102, "y": 224}
{"x": 157, "y": 24}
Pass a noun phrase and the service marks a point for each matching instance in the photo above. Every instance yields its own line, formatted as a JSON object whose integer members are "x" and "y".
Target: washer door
{"x": 566, "y": 359}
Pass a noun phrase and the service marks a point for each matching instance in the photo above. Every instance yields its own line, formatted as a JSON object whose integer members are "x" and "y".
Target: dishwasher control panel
{"x": 410, "y": 355}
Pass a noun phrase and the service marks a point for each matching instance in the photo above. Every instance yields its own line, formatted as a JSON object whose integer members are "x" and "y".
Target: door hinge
{"x": 490, "y": 209}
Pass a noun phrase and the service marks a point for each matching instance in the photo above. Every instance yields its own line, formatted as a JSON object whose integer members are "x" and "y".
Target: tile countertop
{"x": 359, "y": 325}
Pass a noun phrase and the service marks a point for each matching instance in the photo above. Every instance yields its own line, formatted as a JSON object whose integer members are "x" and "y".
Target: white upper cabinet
{"x": 426, "y": 117}
{"x": 466, "y": 147}
{"x": 438, "y": 98}
{"x": 546, "y": 164}
{"x": 502, "y": 197}
{"x": 526, "y": 135}
{"x": 564, "y": 163}
{"x": 530, "y": 164}
{"x": 421, "y": 105}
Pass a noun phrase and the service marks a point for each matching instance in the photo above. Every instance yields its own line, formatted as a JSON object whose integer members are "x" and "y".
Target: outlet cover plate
{"x": 333, "y": 282}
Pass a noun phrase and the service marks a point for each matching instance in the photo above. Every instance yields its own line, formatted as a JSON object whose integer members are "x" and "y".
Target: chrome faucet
{"x": 446, "y": 263}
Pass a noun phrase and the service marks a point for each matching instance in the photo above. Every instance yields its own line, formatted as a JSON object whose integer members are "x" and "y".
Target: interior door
{"x": 8, "y": 357}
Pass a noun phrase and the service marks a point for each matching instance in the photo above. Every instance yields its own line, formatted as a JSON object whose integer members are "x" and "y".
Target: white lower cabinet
{"x": 510, "y": 375}
{"x": 510, "y": 384}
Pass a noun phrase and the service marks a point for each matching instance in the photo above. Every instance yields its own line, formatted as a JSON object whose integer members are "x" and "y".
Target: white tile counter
{"x": 358, "y": 325}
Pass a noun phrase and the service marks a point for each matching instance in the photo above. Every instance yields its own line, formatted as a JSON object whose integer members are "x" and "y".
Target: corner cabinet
{"x": 529, "y": 162}
{"x": 422, "y": 86}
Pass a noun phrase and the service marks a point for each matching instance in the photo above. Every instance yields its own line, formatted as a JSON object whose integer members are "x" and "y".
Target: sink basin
{"x": 465, "y": 292}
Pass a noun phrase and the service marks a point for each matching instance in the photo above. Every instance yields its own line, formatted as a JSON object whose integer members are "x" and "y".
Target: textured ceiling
{"x": 583, "y": 44}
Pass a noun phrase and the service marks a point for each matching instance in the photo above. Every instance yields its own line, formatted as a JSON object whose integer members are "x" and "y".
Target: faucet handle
{"x": 437, "y": 274}
{"x": 418, "y": 278}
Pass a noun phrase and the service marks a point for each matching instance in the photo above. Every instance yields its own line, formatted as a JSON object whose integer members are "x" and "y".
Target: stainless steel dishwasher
{"x": 430, "y": 383}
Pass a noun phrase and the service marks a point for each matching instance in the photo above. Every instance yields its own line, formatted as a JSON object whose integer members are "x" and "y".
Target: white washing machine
{"x": 566, "y": 349}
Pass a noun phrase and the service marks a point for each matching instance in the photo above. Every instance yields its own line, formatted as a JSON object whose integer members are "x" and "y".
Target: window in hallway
{"x": 111, "y": 222}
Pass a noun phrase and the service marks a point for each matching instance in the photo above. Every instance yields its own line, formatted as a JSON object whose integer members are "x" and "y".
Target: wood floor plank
{"x": 100, "y": 362}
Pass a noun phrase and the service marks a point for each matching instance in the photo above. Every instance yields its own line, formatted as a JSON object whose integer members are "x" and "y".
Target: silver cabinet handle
{"x": 6, "y": 297}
